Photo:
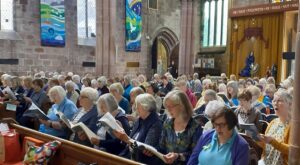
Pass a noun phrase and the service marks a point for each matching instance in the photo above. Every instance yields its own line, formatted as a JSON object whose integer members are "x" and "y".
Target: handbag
{"x": 10, "y": 148}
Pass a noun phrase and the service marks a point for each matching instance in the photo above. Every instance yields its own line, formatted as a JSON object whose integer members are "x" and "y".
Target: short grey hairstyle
{"x": 211, "y": 94}
{"x": 127, "y": 79}
{"x": 117, "y": 87}
{"x": 284, "y": 95}
{"x": 70, "y": 84}
{"x": 110, "y": 102}
{"x": 91, "y": 93}
{"x": 59, "y": 90}
{"x": 147, "y": 101}
{"x": 206, "y": 81}
{"x": 76, "y": 78}
{"x": 212, "y": 107}
{"x": 102, "y": 80}
{"x": 136, "y": 91}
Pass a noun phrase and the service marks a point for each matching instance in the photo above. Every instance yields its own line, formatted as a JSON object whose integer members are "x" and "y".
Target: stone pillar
{"x": 105, "y": 46}
{"x": 189, "y": 9}
{"x": 294, "y": 154}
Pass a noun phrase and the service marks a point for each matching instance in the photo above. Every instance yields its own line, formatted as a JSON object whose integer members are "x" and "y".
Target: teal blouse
{"x": 213, "y": 153}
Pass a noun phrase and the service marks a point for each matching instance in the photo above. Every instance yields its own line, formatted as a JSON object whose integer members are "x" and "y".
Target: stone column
{"x": 189, "y": 9}
{"x": 294, "y": 154}
{"x": 105, "y": 46}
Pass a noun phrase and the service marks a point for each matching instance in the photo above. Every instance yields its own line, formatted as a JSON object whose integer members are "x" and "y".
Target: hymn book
{"x": 109, "y": 121}
{"x": 35, "y": 112}
{"x": 76, "y": 127}
{"x": 250, "y": 130}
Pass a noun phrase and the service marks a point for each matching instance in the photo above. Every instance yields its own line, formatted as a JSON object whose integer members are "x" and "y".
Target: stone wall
{"x": 32, "y": 56}
{"x": 167, "y": 15}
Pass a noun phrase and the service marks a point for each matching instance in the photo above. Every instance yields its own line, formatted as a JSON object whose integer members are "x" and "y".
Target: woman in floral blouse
{"x": 180, "y": 132}
{"x": 276, "y": 138}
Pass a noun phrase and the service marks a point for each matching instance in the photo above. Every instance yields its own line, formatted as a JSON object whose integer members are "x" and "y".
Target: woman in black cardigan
{"x": 146, "y": 129}
{"x": 107, "y": 142}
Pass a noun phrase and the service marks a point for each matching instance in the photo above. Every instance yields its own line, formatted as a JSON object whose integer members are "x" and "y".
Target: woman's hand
{"x": 81, "y": 135}
{"x": 122, "y": 136}
{"x": 171, "y": 157}
{"x": 266, "y": 139}
{"x": 147, "y": 153}
{"x": 45, "y": 122}
{"x": 95, "y": 141}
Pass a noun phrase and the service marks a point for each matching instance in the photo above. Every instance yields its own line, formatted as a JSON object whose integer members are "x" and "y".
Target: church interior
{"x": 149, "y": 82}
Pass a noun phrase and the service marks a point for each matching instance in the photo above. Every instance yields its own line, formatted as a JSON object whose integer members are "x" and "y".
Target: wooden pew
{"x": 72, "y": 153}
{"x": 6, "y": 113}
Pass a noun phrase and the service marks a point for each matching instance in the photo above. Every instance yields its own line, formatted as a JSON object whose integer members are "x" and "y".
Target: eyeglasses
{"x": 279, "y": 101}
{"x": 83, "y": 97}
{"x": 219, "y": 125}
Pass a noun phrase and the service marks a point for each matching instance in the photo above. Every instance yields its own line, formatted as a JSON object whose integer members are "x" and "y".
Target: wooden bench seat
{"x": 72, "y": 153}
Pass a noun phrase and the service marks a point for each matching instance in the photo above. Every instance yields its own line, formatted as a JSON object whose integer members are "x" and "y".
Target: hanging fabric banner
{"x": 52, "y": 23}
{"x": 133, "y": 25}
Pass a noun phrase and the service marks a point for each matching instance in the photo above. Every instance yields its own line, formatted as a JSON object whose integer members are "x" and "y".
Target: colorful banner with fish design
{"x": 53, "y": 23}
{"x": 133, "y": 25}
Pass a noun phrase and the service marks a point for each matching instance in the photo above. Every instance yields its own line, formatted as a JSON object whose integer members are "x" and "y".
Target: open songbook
{"x": 35, "y": 112}
{"x": 143, "y": 146}
{"x": 109, "y": 121}
{"x": 76, "y": 127}
{"x": 250, "y": 130}
{"x": 9, "y": 93}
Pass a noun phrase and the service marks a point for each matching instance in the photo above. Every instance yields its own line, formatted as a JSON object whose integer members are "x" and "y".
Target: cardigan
{"x": 239, "y": 149}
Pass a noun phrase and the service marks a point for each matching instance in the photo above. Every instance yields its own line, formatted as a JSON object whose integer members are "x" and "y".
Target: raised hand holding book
{"x": 76, "y": 127}
{"x": 143, "y": 146}
{"x": 250, "y": 130}
{"x": 35, "y": 112}
{"x": 109, "y": 121}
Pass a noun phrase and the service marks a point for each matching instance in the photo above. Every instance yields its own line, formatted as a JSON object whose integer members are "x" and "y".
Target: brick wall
{"x": 32, "y": 56}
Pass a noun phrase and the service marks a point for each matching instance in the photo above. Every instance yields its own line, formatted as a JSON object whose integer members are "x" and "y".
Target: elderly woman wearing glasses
{"x": 222, "y": 145}
{"x": 276, "y": 138}
{"x": 52, "y": 126}
{"x": 106, "y": 141}
{"x": 180, "y": 132}
{"x": 88, "y": 115}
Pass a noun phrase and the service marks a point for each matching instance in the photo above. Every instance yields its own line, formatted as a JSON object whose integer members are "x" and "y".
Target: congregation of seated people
{"x": 187, "y": 119}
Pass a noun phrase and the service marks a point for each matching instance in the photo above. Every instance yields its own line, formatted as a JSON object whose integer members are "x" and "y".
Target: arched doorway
{"x": 165, "y": 48}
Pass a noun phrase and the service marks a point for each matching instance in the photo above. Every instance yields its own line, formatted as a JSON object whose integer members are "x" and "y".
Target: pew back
{"x": 72, "y": 153}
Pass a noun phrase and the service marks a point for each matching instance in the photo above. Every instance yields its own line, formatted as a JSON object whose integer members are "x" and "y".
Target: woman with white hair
{"x": 276, "y": 138}
{"x": 146, "y": 129}
{"x": 53, "y": 126}
{"x": 117, "y": 90}
{"x": 102, "y": 82}
{"x": 107, "y": 141}
{"x": 71, "y": 93}
{"x": 211, "y": 108}
{"x": 88, "y": 115}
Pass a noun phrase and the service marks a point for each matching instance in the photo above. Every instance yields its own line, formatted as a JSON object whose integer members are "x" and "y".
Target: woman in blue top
{"x": 232, "y": 92}
{"x": 223, "y": 145}
{"x": 52, "y": 126}
{"x": 180, "y": 132}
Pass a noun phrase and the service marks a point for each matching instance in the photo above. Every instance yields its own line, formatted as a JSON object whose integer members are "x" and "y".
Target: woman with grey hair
{"x": 107, "y": 141}
{"x": 276, "y": 138}
{"x": 180, "y": 131}
{"x": 146, "y": 129}
{"x": 102, "y": 82}
{"x": 232, "y": 92}
{"x": 88, "y": 115}
{"x": 117, "y": 90}
{"x": 52, "y": 126}
{"x": 71, "y": 93}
